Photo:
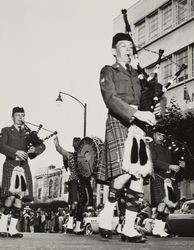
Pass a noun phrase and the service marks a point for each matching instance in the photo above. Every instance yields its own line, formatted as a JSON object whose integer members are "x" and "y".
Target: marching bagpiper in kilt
{"x": 126, "y": 157}
{"x": 16, "y": 177}
{"x": 164, "y": 189}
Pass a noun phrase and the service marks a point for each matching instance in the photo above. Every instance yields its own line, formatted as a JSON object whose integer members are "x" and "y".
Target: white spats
{"x": 106, "y": 215}
{"x": 170, "y": 196}
{"x": 119, "y": 228}
{"x": 137, "y": 185}
{"x": 3, "y": 223}
{"x": 128, "y": 229}
{"x": 158, "y": 229}
{"x": 70, "y": 223}
{"x": 12, "y": 226}
{"x": 77, "y": 228}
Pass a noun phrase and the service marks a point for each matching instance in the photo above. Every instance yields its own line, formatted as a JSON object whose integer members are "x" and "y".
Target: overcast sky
{"x": 52, "y": 45}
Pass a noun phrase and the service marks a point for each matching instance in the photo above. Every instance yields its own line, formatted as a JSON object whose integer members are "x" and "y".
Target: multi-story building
{"x": 167, "y": 25}
{"x": 51, "y": 184}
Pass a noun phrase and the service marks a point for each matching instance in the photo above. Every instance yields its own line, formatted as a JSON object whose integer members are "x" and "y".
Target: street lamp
{"x": 84, "y": 105}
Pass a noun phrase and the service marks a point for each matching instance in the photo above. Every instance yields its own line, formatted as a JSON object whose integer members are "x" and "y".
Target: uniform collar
{"x": 15, "y": 128}
{"x": 119, "y": 67}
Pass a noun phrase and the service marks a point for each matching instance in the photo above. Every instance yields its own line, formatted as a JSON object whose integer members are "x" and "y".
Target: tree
{"x": 180, "y": 126}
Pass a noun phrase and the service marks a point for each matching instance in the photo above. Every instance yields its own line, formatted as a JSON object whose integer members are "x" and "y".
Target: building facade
{"x": 51, "y": 184}
{"x": 167, "y": 25}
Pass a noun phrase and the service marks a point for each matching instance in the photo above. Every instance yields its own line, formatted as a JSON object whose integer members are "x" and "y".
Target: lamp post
{"x": 84, "y": 105}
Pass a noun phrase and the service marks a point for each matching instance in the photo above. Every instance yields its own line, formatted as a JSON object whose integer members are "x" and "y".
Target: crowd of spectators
{"x": 41, "y": 220}
{"x": 48, "y": 221}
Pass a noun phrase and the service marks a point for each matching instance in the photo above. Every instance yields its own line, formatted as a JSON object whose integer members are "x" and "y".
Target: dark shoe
{"x": 17, "y": 235}
{"x": 123, "y": 237}
{"x": 106, "y": 234}
{"x": 3, "y": 235}
{"x": 137, "y": 239}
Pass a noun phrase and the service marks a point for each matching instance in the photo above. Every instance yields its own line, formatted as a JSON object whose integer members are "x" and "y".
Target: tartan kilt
{"x": 157, "y": 189}
{"x": 6, "y": 180}
{"x": 110, "y": 165}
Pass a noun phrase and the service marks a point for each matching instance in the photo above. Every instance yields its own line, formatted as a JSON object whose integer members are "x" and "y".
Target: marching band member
{"x": 163, "y": 190}
{"x": 77, "y": 185}
{"x": 126, "y": 157}
{"x": 16, "y": 178}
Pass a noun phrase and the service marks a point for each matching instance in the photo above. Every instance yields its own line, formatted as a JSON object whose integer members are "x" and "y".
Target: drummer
{"x": 77, "y": 184}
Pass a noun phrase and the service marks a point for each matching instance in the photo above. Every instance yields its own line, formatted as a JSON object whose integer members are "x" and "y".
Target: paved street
{"x": 40, "y": 241}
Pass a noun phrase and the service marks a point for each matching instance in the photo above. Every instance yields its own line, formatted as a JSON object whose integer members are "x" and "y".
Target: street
{"x": 43, "y": 241}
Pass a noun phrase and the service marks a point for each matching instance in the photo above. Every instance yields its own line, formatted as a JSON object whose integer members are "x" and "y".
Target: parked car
{"x": 182, "y": 224}
{"x": 91, "y": 224}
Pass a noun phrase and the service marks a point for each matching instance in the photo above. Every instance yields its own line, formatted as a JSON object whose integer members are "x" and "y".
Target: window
{"x": 60, "y": 188}
{"x": 193, "y": 60}
{"x": 65, "y": 187}
{"x": 94, "y": 185}
{"x": 182, "y": 57}
{"x": 166, "y": 71}
{"x": 153, "y": 25}
{"x": 141, "y": 34}
{"x": 181, "y": 11}
{"x": 56, "y": 187}
{"x": 39, "y": 193}
{"x": 101, "y": 199}
{"x": 167, "y": 17}
{"x": 192, "y": 7}
{"x": 50, "y": 188}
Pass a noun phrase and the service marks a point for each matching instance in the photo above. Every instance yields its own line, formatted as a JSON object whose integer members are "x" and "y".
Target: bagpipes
{"x": 182, "y": 152}
{"x": 32, "y": 138}
{"x": 152, "y": 90}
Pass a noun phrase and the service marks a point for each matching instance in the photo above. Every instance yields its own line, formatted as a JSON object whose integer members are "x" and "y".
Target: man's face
{"x": 158, "y": 137}
{"x": 123, "y": 51}
{"x": 18, "y": 118}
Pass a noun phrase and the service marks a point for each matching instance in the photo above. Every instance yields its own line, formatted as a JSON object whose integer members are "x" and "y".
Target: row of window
{"x": 54, "y": 188}
{"x": 168, "y": 68}
{"x": 164, "y": 18}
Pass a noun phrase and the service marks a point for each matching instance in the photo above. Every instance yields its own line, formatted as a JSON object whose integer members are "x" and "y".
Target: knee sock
{"x": 132, "y": 208}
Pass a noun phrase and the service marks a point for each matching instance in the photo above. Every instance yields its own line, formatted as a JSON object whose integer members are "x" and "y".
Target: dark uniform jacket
{"x": 120, "y": 89}
{"x": 161, "y": 158}
{"x": 12, "y": 140}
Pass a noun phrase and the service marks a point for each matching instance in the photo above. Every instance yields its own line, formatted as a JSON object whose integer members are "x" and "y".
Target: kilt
{"x": 73, "y": 191}
{"x": 6, "y": 180}
{"x": 110, "y": 165}
{"x": 157, "y": 189}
